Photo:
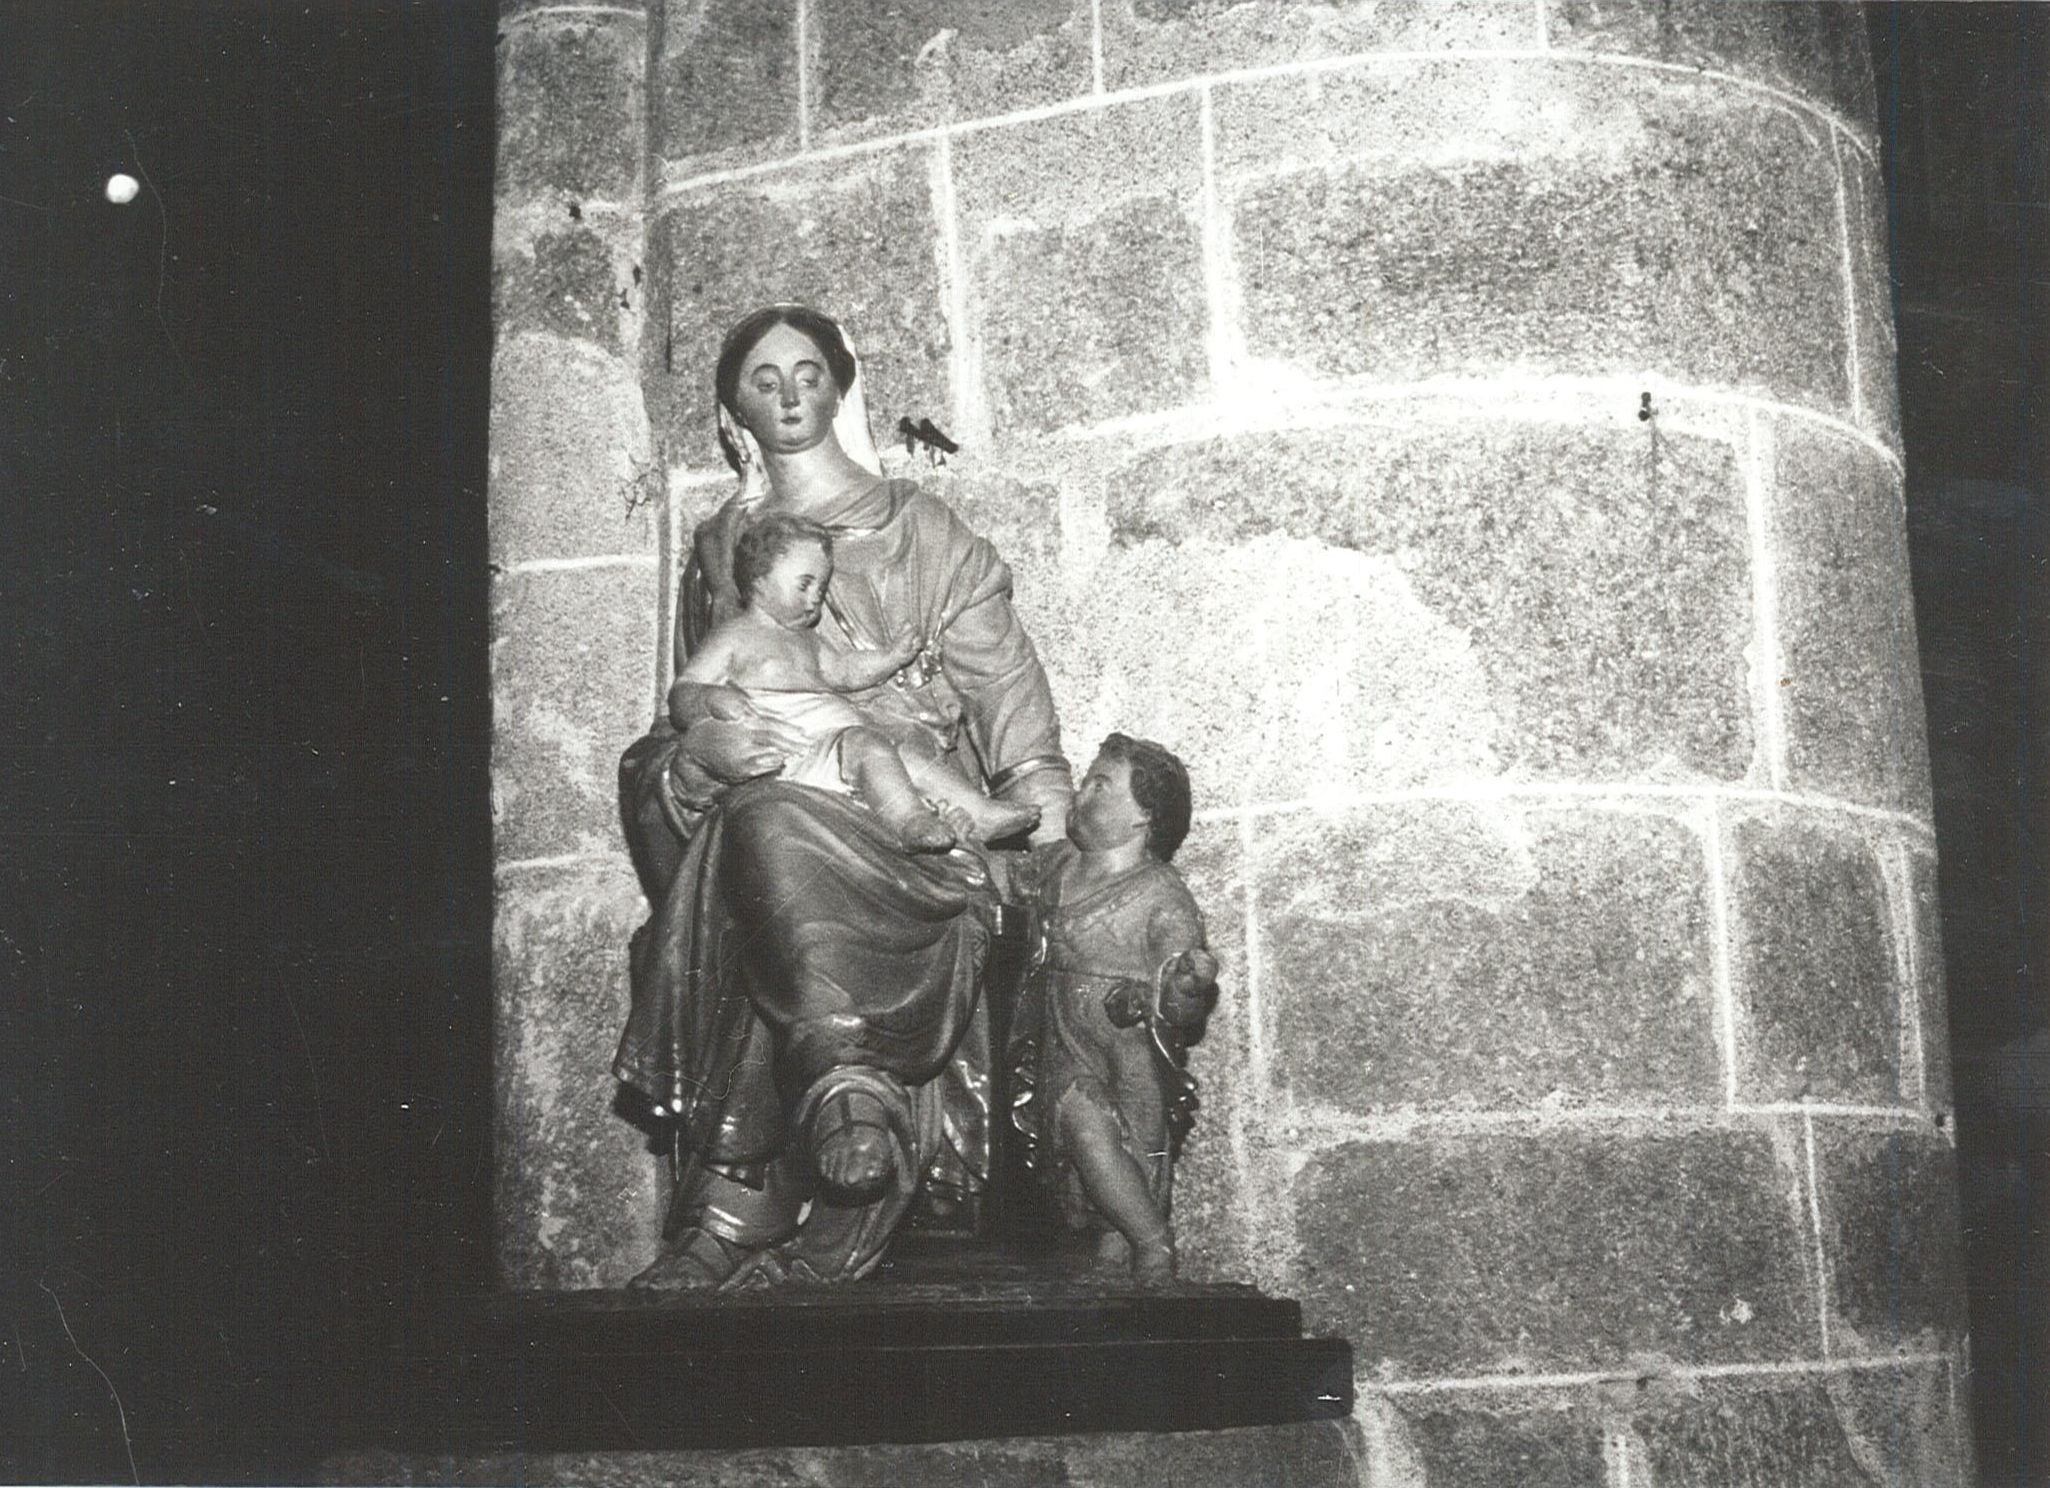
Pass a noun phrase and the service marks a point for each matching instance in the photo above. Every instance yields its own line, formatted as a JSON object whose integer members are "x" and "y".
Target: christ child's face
{"x": 1104, "y": 814}
{"x": 794, "y": 588}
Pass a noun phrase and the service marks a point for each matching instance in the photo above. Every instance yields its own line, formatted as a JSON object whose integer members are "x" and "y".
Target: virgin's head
{"x": 781, "y": 374}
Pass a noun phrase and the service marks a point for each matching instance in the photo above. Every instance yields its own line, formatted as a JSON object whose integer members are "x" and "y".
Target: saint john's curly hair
{"x": 1160, "y": 787}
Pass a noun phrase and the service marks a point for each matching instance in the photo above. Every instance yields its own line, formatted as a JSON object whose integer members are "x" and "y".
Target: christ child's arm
{"x": 703, "y": 689}
{"x": 851, "y": 671}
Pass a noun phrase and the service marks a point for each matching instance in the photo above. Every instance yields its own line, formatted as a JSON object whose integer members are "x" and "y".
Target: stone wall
{"x": 1467, "y": 432}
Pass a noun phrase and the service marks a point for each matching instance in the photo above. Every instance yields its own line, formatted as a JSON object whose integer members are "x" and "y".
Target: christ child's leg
{"x": 1117, "y": 1187}
{"x": 994, "y": 820}
{"x": 871, "y": 764}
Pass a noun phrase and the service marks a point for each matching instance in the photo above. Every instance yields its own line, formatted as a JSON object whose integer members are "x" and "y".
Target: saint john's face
{"x": 794, "y": 588}
{"x": 1104, "y": 814}
{"x": 786, "y": 397}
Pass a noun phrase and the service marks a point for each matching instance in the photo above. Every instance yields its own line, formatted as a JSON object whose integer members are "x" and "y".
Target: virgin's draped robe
{"x": 793, "y": 940}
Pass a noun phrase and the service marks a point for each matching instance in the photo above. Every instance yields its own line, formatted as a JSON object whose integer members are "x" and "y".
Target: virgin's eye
{"x": 765, "y": 385}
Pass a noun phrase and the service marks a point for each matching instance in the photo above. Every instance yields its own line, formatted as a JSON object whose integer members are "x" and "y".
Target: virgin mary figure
{"x": 806, "y": 1012}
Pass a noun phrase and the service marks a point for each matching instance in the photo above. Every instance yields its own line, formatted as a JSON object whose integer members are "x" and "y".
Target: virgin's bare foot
{"x": 856, "y": 1150}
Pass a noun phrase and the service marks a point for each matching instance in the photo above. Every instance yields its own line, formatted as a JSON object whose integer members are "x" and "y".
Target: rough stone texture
{"x": 1813, "y": 971}
{"x": 727, "y": 80}
{"x": 1562, "y": 1250}
{"x": 507, "y": 9}
{"x": 1444, "y": 955}
{"x": 1320, "y": 1455}
{"x": 1509, "y": 1440}
{"x": 576, "y": 1190}
{"x": 1853, "y": 694}
{"x": 571, "y": 471}
{"x": 855, "y": 237}
{"x": 1872, "y": 295}
{"x": 1931, "y": 1004}
{"x": 573, "y": 683}
{"x": 1478, "y": 217}
{"x": 1092, "y": 321}
{"x": 914, "y": 63}
{"x": 570, "y": 103}
{"x": 1220, "y": 1227}
{"x": 1890, "y": 1231}
{"x": 573, "y": 284}
{"x": 1416, "y": 601}
{"x": 1084, "y": 261}
{"x": 1818, "y": 52}
{"x": 1873, "y": 1427}
{"x": 1152, "y": 41}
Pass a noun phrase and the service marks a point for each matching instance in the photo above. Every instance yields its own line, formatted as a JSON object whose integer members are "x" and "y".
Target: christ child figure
{"x": 1125, "y": 980}
{"x": 766, "y": 663}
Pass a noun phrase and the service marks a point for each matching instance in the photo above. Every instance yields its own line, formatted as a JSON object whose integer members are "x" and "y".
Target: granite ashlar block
{"x": 571, "y": 285}
{"x": 1092, "y": 321}
{"x": 1890, "y": 1232}
{"x": 1557, "y": 1251}
{"x": 575, "y": 1193}
{"x": 507, "y": 9}
{"x": 856, "y": 239}
{"x": 1851, "y": 691}
{"x": 1813, "y": 970}
{"x": 1873, "y": 297}
{"x": 1220, "y": 1222}
{"x": 1889, "y": 1427}
{"x": 1517, "y": 1440}
{"x": 1446, "y": 956}
{"x": 572, "y": 471}
{"x": 571, "y": 107}
{"x": 1084, "y": 256}
{"x": 1931, "y": 1003}
{"x": 916, "y": 63}
{"x": 1817, "y": 52}
{"x": 573, "y": 656}
{"x": 1155, "y": 41}
{"x": 1409, "y": 601}
{"x": 1320, "y": 1454}
{"x": 728, "y": 81}
{"x": 1514, "y": 216}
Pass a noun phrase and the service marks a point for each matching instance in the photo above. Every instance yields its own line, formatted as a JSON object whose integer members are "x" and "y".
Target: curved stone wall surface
{"x": 1467, "y": 432}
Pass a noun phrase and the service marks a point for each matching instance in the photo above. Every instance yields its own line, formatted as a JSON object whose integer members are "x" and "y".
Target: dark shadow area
{"x": 244, "y": 825}
{"x": 1962, "y": 90}
{"x": 244, "y": 700}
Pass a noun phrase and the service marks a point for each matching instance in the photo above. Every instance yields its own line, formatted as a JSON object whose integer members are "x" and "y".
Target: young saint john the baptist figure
{"x": 1124, "y": 980}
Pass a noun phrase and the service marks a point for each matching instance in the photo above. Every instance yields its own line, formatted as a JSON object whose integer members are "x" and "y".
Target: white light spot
{"x": 121, "y": 189}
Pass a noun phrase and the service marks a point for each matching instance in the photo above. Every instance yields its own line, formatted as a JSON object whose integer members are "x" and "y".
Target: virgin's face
{"x": 786, "y": 398}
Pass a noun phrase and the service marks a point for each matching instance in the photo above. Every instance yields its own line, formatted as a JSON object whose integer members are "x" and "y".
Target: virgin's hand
{"x": 733, "y": 750}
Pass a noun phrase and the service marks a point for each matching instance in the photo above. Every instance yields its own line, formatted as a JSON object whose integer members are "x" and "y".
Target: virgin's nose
{"x": 789, "y": 394}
